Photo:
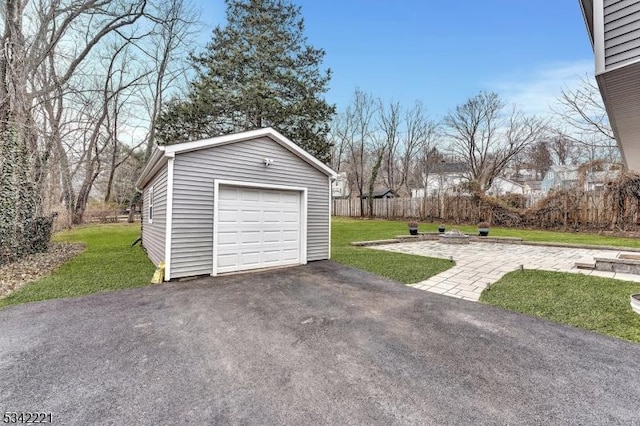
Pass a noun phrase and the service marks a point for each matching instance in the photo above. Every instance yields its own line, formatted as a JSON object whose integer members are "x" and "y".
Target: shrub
{"x": 518, "y": 201}
{"x": 38, "y": 233}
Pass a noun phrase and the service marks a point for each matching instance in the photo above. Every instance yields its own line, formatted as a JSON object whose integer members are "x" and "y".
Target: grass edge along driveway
{"x": 588, "y": 302}
{"x": 108, "y": 263}
{"x": 405, "y": 268}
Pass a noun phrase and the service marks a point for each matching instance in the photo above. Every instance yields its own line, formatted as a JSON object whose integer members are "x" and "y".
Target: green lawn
{"x": 397, "y": 266}
{"x": 410, "y": 269}
{"x": 593, "y": 303}
{"x": 108, "y": 263}
{"x": 598, "y": 304}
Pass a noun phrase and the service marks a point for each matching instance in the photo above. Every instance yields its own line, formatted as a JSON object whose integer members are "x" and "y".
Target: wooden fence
{"x": 460, "y": 209}
{"x": 585, "y": 210}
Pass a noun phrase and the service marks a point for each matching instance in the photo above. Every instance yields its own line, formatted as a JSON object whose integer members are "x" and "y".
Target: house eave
{"x": 158, "y": 159}
{"x": 587, "y": 14}
{"x": 248, "y": 135}
{"x": 162, "y": 153}
{"x": 620, "y": 89}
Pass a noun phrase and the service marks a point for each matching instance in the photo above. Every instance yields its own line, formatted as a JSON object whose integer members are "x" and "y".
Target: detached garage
{"x": 234, "y": 203}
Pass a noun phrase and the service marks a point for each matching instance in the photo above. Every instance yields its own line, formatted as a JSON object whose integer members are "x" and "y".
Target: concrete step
{"x": 586, "y": 263}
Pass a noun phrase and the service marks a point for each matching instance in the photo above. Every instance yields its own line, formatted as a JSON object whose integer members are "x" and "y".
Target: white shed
{"x": 236, "y": 202}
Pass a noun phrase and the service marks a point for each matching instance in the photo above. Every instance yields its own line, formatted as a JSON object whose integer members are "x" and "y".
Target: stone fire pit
{"x": 454, "y": 237}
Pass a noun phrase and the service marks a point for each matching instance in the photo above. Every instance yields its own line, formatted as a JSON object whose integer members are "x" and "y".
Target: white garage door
{"x": 257, "y": 228}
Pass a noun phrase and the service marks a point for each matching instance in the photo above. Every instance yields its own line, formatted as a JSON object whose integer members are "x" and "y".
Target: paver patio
{"x": 479, "y": 264}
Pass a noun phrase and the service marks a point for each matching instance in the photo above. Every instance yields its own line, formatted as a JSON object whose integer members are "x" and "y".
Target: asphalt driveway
{"x": 319, "y": 344}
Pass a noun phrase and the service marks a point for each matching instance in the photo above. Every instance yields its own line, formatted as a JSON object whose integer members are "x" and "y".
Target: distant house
{"x": 532, "y": 187}
{"x": 520, "y": 174}
{"x": 443, "y": 178}
{"x": 381, "y": 193}
{"x": 559, "y": 177}
{"x": 566, "y": 177}
{"x": 504, "y": 186}
{"x": 596, "y": 181}
{"x": 340, "y": 186}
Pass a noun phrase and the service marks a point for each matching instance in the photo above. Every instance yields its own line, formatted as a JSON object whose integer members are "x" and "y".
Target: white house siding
{"x": 621, "y": 32}
{"x": 194, "y": 173}
{"x": 502, "y": 186}
{"x": 153, "y": 234}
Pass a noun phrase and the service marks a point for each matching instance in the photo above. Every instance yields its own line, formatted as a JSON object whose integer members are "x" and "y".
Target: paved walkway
{"x": 481, "y": 264}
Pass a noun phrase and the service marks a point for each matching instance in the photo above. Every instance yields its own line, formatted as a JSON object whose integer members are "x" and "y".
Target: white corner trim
{"x": 303, "y": 227}
{"x": 598, "y": 35}
{"x": 330, "y": 207}
{"x": 168, "y": 221}
{"x": 216, "y": 191}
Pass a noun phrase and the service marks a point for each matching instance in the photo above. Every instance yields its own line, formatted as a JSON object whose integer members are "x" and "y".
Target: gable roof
{"x": 161, "y": 154}
{"x": 449, "y": 168}
{"x": 379, "y": 193}
{"x": 512, "y": 182}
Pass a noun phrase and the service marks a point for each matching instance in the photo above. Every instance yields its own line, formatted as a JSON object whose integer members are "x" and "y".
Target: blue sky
{"x": 443, "y": 52}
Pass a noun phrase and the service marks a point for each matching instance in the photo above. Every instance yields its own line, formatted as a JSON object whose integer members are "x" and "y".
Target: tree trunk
{"x": 372, "y": 181}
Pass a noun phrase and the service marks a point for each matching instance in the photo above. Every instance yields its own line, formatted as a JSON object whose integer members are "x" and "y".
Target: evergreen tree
{"x": 258, "y": 71}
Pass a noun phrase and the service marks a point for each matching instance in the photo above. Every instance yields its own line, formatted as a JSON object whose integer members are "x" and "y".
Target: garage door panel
{"x": 260, "y": 247}
{"x": 290, "y": 217}
{"x": 229, "y": 194}
{"x": 249, "y": 259}
{"x": 289, "y": 197}
{"x": 226, "y": 261}
{"x": 227, "y": 216}
{"x": 290, "y": 236}
{"x": 257, "y": 228}
{"x": 250, "y": 195}
{"x": 245, "y": 238}
{"x": 227, "y": 238}
{"x": 272, "y": 236}
{"x": 271, "y": 256}
{"x": 290, "y": 255}
{"x": 272, "y": 217}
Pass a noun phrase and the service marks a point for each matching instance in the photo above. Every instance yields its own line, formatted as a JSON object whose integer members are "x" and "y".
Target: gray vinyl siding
{"x": 153, "y": 234}
{"x": 621, "y": 32}
{"x": 194, "y": 173}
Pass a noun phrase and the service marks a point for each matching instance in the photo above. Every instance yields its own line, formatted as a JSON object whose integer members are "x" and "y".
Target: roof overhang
{"x": 161, "y": 154}
{"x": 587, "y": 13}
{"x": 620, "y": 89}
{"x": 619, "y": 86}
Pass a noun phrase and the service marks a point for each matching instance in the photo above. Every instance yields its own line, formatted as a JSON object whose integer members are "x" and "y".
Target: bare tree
{"x": 38, "y": 35}
{"x": 418, "y": 144}
{"x": 405, "y": 134}
{"x": 354, "y": 131}
{"x": 486, "y": 138}
{"x": 562, "y": 149}
{"x": 389, "y": 122}
{"x": 166, "y": 54}
{"x": 428, "y": 157}
{"x": 583, "y": 118}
